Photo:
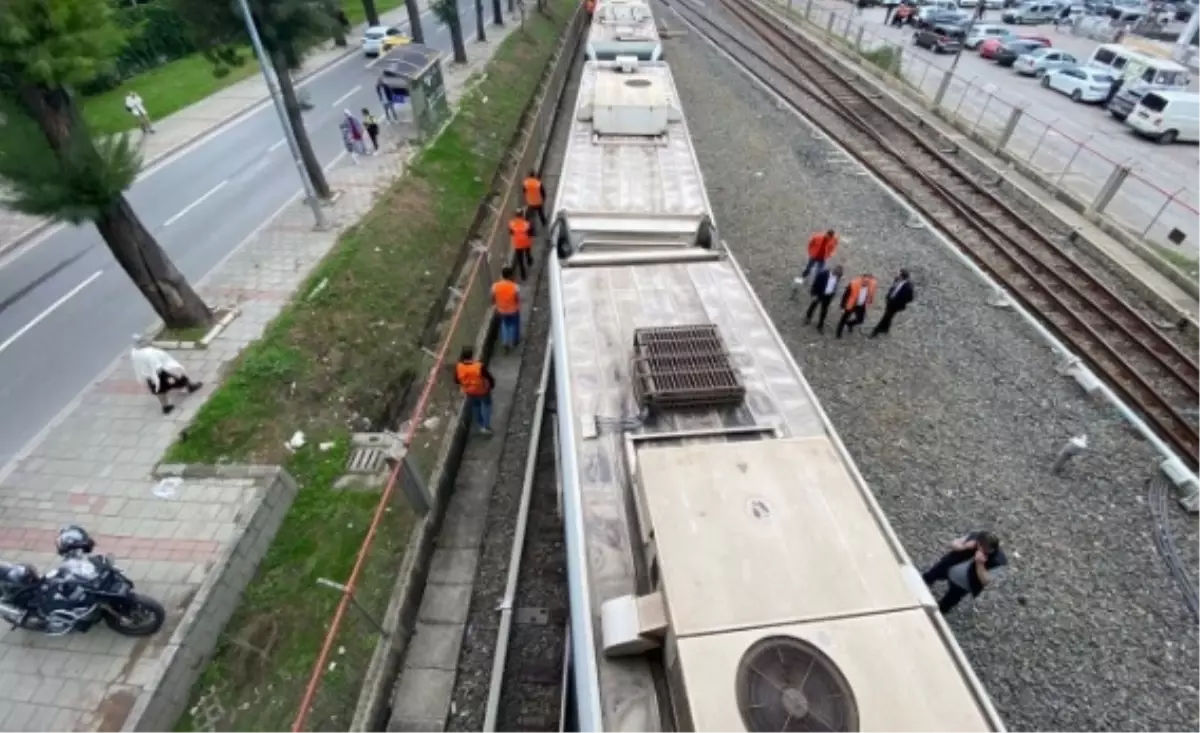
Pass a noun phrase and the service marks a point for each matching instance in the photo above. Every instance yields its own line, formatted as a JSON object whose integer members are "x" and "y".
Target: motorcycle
{"x": 83, "y": 590}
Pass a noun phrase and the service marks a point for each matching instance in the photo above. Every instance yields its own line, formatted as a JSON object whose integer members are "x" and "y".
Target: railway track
{"x": 1133, "y": 356}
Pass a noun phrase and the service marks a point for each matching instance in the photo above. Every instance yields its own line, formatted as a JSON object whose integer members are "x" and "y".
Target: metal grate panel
{"x": 684, "y": 367}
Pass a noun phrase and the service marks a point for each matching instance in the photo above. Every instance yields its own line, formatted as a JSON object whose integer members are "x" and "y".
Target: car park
{"x": 981, "y": 32}
{"x": 941, "y": 38}
{"x": 1009, "y": 52}
{"x": 1031, "y": 14}
{"x": 1041, "y": 60}
{"x": 1167, "y": 116}
{"x": 1080, "y": 83}
{"x": 379, "y": 39}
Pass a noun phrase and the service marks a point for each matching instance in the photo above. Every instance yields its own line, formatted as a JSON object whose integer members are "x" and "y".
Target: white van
{"x": 1167, "y": 117}
{"x": 1136, "y": 73}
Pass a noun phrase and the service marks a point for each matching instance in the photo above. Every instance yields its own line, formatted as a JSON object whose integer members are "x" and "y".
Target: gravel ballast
{"x": 954, "y": 420}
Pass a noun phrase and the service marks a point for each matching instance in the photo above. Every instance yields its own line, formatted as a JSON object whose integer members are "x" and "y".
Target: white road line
{"x": 195, "y": 203}
{"x": 337, "y": 102}
{"x": 53, "y": 307}
{"x": 277, "y": 145}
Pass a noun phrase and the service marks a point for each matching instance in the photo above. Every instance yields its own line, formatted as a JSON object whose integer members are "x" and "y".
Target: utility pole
{"x": 273, "y": 88}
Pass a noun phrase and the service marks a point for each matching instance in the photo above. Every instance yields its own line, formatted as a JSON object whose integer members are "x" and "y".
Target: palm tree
{"x": 447, "y": 12}
{"x": 479, "y": 33}
{"x": 414, "y": 21}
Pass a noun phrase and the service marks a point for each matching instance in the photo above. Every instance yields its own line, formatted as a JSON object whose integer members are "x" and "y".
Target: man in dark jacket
{"x": 973, "y": 563}
{"x": 824, "y": 287}
{"x": 899, "y": 295}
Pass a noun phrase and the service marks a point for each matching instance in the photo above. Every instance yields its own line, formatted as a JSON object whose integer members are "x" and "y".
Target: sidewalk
{"x": 189, "y": 124}
{"x": 93, "y": 466}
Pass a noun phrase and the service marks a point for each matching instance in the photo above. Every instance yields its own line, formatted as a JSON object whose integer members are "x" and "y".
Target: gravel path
{"x": 954, "y": 420}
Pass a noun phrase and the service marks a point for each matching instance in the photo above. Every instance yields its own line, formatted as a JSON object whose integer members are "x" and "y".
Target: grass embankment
{"x": 178, "y": 84}
{"x": 1189, "y": 266}
{"x": 327, "y": 362}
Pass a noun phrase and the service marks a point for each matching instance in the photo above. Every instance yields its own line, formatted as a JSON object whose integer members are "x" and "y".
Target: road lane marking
{"x": 277, "y": 145}
{"x": 53, "y": 307}
{"x": 196, "y": 203}
{"x": 337, "y": 102}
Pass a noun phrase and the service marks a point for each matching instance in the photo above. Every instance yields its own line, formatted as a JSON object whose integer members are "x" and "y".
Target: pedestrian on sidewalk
{"x": 821, "y": 247}
{"x": 859, "y": 295}
{"x": 973, "y": 563}
{"x": 476, "y": 383}
{"x": 506, "y": 297}
{"x": 352, "y": 136}
{"x": 372, "y": 126}
{"x": 535, "y": 197}
{"x": 160, "y": 372}
{"x": 137, "y": 108}
{"x": 522, "y": 243}
{"x": 384, "y": 92}
{"x": 899, "y": 295}
{"x": 824, "y": 287}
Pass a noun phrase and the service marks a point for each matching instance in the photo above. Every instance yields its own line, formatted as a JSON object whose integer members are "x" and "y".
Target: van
{"x": 1136, "y": 73}
{"x": 1031, "y": 14}
{"x": 1167, "y": 117}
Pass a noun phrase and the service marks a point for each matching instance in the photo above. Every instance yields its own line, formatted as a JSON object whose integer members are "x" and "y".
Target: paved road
{"x": 67, "y": 310}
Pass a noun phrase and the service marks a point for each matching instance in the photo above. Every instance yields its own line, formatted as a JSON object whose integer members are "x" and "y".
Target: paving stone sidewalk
{"x": 94, "y": 466}
{"x": 174, "y": 132}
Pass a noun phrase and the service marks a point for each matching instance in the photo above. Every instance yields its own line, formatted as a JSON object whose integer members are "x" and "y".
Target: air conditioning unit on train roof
{"x": 628, "y": 103}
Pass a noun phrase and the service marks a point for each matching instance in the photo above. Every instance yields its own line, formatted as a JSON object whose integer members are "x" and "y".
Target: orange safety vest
{"x": 822, "y": 246}
{"x": 504, "y": 295}
{"x": 518, "y": 229}
{"x": 533, "y": 192}
{"x": 470, "y": 378}
{"x": 855, "y": 287}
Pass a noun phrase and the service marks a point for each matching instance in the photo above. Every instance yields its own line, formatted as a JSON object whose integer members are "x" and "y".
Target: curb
{"x": 224, "y": 122}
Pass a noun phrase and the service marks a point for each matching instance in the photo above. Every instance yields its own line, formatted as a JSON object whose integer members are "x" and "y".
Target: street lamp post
{"x": 273, "y": 89}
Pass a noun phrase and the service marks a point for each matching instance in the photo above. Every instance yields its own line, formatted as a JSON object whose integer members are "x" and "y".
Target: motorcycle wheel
{"x": 143, "y": 616}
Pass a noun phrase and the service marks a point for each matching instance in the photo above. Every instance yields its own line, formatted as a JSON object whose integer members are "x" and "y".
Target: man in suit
{"x": 899, "y": 295}
{"x": 824, "y": 287}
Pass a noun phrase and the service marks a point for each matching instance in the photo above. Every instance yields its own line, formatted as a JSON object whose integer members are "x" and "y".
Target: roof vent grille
{"x": 786, "y": 684}
{"x": 684, "y": 367}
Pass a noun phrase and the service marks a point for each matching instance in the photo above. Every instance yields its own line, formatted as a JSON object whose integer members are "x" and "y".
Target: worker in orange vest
{"x": 859, "y": 295}
{"x": 506, "y": 298}
{"x": 522, "y": 242}
{"x": 821, "y": 247}
{"x": 476, "y": 383}
{"x": 535, "y": 197}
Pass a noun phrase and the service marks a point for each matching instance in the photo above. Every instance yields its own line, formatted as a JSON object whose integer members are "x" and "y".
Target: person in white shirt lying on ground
{"x": 160, "y": 372}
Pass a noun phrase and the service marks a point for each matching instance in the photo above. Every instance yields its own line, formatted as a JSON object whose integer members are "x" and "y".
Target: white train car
{"x": 728, "y": 568}
{"x": 623, "y": 28}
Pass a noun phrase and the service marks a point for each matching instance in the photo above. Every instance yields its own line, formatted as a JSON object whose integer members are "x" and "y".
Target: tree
{"x": 287, "y": 29}
{"x": 414, "y": 21}
{"x": 447, "y": 12}
{"x": 480, "y": 35}
{"x": 497, "y": 13}
{"x": 49, "y": 161}
{"x": 371, "y": 12}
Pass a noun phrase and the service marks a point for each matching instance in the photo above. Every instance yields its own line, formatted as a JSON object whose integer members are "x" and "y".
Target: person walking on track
{"x": 476, "y": 383}
{"x": 160, "y": 372}
{"x": 506, "y": 297}
{"x": 859, "y": 295}
{"x": 973, "y": 563}
{"x": 899, "y": 295}
{"x": 821, "y": 247}
{"x": 535, "y": 197}
{"x": 522, "y": 243}
{"x": 824, "y": 287}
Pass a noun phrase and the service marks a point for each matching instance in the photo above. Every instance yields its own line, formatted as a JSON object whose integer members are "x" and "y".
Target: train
{"x": 728, "y": 566}
{"x": 623, "y": 28}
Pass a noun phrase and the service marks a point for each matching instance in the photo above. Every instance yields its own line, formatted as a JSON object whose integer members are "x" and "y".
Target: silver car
{"x": 1041, "y": 60}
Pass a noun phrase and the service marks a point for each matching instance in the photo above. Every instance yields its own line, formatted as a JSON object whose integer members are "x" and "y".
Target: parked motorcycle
{"x": 84, "y": 589}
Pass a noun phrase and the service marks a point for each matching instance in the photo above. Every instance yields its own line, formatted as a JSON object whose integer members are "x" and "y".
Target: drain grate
{"x": 684, "y": 367}
{"x": 368, "y": 461}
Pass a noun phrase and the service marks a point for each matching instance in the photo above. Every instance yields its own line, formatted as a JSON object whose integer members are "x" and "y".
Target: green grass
{"x": 340, "y": 356}
{"x": 1187, "y": 265}
{"x": 178, "y": 84}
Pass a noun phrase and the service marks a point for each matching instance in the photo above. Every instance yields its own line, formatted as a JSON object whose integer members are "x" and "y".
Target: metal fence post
{"x": 808, "y": 9}
{"x": 898, "y": 60}
{"x": 1109, "y": 189}
{"x": 858, "y": 37}
{"x": 1009, "y": 127}
{"x": 829, "y": 25}
{"x": 941, "y": 91}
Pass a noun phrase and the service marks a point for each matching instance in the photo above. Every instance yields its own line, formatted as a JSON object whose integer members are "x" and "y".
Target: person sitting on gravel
{"x": 160, "y": 372}
{"x": 973, "y": 563}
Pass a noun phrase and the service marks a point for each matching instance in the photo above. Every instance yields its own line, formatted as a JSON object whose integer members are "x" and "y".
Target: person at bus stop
{"x": 899, "y": 295}
{"x": 821, "y": 247}
{"x": 476, "y": 383}
{"x": 506, "y": 298}
{"x": 521, "y": 236}
{"x": 535, "y": 197}
{"x": 824, "y": 287}
{"x": 973, "y": 563}
{"x": 859, "y": 295}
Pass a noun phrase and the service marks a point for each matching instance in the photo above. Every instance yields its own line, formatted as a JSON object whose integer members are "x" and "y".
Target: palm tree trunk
{"x": 456, "y": 38}
{"x": 372, "y": 13}
{"x": 414, "y": 21}
{"x": 479, "y": 33}
{"x": 497, "y": 13}
{"x": 151, "y": 270}
{"x": 287, "y": 90}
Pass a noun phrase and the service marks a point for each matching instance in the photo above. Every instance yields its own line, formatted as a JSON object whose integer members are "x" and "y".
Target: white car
{"x": 1080, "y": 83}
{"x": 1042, "y": 61}
{"x": 379, "y": 39}
{"x": 981, "y": 32}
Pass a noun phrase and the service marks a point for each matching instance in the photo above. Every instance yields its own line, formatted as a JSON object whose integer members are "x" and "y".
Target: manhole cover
{"x": 366, "y": 461}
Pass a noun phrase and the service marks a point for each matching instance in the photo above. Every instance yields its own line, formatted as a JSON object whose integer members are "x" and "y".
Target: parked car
{"x": 380, "y": 39}
{"x": 981, "y": 32}
{"x": 942, "y": 38}
{"x": 1042, "y": 60}
{"x": 929, "y": 17}
{"x": 1080, "y": 83}
{"x": 992, "y": 46}
{"x": 1031, "y": 14}
{"x": 1167, "y": 117}
{"x": 1008, "y": 53}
